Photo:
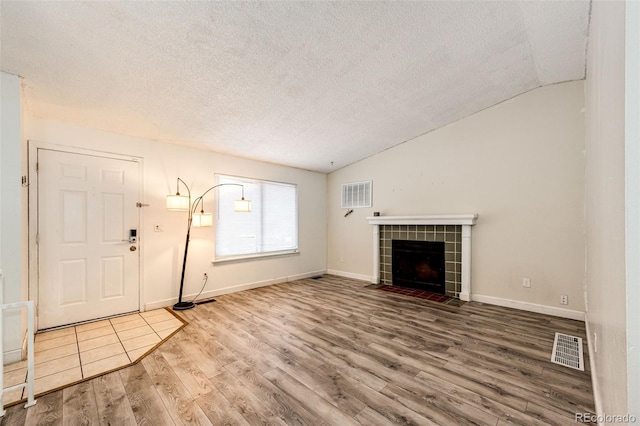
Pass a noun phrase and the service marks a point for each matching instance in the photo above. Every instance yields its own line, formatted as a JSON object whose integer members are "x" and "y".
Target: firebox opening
{"x": 418, "y": 264}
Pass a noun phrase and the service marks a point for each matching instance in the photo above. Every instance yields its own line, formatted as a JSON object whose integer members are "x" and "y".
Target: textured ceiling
{"x": 302, "y": 84}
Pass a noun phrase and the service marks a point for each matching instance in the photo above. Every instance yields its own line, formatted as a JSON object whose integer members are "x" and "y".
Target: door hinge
{"x": 139, "y": 205}
{"x": 37, "y": 238}
{"x": 24, "y": 181}
{"x": 37, "y": 167}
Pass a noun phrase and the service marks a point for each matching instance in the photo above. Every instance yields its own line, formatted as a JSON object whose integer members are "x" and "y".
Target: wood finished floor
{"x": 330, "y": 352}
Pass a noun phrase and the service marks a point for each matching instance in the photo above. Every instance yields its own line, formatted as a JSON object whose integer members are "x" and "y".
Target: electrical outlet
{"x": 564, "y": 299}
{"x": 158, "y": 228}
{"x": 526, "y": 282}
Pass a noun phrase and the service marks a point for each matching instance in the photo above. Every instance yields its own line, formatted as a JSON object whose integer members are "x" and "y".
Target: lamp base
{"x": 182, "y": 306}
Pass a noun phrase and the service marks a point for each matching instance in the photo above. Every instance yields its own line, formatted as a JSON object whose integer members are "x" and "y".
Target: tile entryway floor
{"x": 72, "y": 354}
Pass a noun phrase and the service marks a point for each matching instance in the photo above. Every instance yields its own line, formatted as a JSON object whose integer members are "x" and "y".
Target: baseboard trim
{"x": 597, "y": 400}
{"x": 231, "y": 289}
{"x": 530, "y": 307}
{"x": 344, "y": 274}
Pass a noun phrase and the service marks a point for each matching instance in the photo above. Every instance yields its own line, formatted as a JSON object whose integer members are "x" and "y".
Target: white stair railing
{"x": 28, "y": 383}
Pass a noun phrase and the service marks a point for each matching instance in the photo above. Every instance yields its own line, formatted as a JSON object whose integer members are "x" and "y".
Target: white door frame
{"x": 32, "y": 159}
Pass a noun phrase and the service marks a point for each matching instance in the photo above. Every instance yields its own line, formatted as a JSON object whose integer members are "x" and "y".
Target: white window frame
{"x": 256, "y": 203}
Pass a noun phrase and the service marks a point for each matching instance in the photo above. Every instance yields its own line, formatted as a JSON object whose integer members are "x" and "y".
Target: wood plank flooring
{"x": 331, "y": 352}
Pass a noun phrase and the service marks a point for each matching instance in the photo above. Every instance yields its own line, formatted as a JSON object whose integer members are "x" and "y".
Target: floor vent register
{"x": 567, "y": 351}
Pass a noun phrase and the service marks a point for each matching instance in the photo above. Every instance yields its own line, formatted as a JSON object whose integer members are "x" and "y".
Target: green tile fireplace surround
{"x": 453, "y": 230}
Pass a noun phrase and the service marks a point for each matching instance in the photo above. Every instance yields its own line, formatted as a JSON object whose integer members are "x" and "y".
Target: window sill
{"x": 250, "y": 257}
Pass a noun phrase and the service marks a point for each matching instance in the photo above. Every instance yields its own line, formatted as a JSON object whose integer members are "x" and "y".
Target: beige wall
{"x": 162, "y": 251}
{"x": 605, "y": 205}
{"x": 632, "y": 201}
{"x": 519, "y": 165}
{"x": 12, "y": 220}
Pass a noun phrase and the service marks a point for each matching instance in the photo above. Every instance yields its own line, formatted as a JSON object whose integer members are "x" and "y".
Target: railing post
{"x": 30, "y": 355}
{"x": 2, "y": 411}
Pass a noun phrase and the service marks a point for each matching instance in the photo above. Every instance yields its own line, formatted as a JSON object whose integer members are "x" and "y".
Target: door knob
{"x": 133, "y": 248}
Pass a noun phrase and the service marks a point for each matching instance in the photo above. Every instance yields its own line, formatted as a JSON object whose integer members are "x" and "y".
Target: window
{"x": 270, "y": 228}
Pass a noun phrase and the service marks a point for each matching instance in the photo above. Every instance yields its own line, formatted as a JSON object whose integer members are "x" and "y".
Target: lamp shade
{"x": 178, "y": 203}
{"x": 202, "y": 219}
{"x": 242, "y": 205}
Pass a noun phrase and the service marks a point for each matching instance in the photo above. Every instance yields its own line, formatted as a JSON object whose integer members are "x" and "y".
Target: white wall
{"x": 162, "y": 251}
{"x": 606, "y": 281}
{"x": 519, "y": 165}
{"x": 632, "y": 169}
{"x": 12, "y": 219}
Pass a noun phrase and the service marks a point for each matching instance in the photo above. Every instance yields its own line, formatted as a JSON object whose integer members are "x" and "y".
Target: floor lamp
{"x": 183, "y": 203}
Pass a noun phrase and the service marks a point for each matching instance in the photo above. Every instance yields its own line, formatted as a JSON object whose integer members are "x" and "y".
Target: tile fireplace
{"x": 451, "y": 232}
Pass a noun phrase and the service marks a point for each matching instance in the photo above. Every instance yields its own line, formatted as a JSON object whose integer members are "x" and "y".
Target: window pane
{"x": 279, "y": 218}
{"x": 235, "y": 232}
{"x": 272, "y": 224}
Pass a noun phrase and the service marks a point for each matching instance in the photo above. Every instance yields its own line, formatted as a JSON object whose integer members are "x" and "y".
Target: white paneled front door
{"x": 87, "y": 268}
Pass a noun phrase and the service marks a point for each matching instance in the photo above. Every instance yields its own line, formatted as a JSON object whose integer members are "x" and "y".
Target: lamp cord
{"x": 205, "y": 279}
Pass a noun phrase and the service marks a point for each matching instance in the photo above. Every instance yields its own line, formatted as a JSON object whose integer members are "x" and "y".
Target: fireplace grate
{"x": 567, "y": 351}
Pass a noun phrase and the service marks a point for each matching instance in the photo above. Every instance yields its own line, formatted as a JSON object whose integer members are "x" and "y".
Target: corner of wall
{"x": 12, "y": 205}
{"x": 593, "y": 367}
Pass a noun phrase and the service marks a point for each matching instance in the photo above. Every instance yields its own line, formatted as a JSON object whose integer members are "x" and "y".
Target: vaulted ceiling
{"x": 314, "y": 85}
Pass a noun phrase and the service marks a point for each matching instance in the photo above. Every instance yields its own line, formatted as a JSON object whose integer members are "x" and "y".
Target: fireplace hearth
{"x": 419, "y": 264}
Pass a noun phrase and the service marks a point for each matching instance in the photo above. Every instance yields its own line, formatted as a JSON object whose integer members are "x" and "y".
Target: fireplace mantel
{"x": 464, "y": 220}
{"x": 445, "y": 219}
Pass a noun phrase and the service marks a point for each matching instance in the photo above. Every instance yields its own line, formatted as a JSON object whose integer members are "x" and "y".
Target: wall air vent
{"x": 567, "y": 351}
{"x": 356, "y": 195}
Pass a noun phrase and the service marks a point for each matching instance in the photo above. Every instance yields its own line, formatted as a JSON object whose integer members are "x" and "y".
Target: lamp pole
{"x": 181, "y": 306}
